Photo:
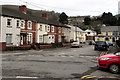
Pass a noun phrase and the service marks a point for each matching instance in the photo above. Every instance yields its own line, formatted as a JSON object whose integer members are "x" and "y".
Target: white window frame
{"x": 22, "y": 24}
{"x": 40, "y": 27}
{"x": 29, "y": 25}
{"x": 18, "y": 24}
{"x": 40, "y": 38}
{"x": 48, "y": 28}
{"x": 30, "y": 38}
{"x": 52, "y": 28}
{"x": 59, "y": 30}
{"x": 45, "y": 28}
{"x": 9, "y": 23}
{"x": 10, "y": 38}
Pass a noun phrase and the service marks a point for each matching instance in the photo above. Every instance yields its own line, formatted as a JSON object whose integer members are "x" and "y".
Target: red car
{"x": 110, "y": 61}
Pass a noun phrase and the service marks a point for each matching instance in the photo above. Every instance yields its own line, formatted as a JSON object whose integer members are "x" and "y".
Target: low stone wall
{"x": 24, "y": 47}
{"x": 46, "y": 46}
{"x": 66, "y": 44}
{"x": 2, "y": 45}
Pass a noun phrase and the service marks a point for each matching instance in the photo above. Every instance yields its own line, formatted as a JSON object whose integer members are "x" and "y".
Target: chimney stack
{"x": 23, "y": 9}
{"x": 45, "y": 15}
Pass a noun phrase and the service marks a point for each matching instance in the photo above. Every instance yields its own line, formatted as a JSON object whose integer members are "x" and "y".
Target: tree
{"x": 108, "y": 19}
{"x": 87, "y": 21}
{"x": 118, "y": 22}
{"x": 96, "y": 25}
{"x": 63, "y": 18}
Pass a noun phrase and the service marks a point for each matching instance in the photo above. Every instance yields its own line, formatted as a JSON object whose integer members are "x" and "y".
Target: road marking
{"x": 26, "y": 77}
{"x": 91, "y": 77}
{"x": 87, "y": 77}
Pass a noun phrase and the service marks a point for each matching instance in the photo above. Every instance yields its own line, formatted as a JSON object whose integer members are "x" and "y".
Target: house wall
{"x": 72, "y": 35}
{"x": 14, "y": 30}
{"x": 60, "y": 34}
{"x": 66, "y": 32}
{"x": 104, "y": 35}
{"x": 40, "y": 32}
{"x": 31, "y": 31}
{"x": 0, "y": 28}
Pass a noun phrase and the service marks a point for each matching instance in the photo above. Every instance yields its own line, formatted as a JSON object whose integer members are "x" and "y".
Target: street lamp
{"x": 76, "y": 32}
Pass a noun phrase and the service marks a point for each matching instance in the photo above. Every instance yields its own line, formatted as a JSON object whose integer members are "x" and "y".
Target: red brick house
{"x": 28, "y": 28}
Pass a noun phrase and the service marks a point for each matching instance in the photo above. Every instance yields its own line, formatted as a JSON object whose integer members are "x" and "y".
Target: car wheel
{"x": 114, "y": 68}
{"x": 106, "y": 48}
{"x": 95, "y": 49}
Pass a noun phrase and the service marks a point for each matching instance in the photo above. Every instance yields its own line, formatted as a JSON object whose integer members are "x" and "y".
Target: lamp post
{"x": 76, "y": 32}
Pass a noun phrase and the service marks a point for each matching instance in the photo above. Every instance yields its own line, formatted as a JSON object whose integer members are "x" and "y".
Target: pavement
{"x": 112, "y": 49}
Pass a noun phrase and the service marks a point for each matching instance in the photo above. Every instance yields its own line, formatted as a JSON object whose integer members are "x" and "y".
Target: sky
{"x": 70, "y": 7}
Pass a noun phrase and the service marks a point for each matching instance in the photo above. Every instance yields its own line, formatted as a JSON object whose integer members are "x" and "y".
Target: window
{"x": 22, "y": 24}
{"x": 107, "y": 33}
{"x": 29, "y": 38}
{"x": 107, "y": 39}
{"x": 45, "y": 28}
{"x": 29, "y": 24}
{"x": 9, "y": 23}
{"x": 52, "y": 28}
{"x": 40, "y": 38}
{"x": 40, "y": 28}
{"x": 18, "y": 24}
{"x": 48, "y": 28}
{"x": 8, "y": 39}
{"x": 115, "y": 33}
{"x": 88, "y": 32}
{"x": 59, "y": 30}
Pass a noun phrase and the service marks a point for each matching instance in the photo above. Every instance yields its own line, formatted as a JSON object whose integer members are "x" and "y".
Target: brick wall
{"x": 2, "y": 45}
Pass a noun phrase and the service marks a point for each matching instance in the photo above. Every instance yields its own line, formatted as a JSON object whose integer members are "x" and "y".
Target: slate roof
{"x": 110, "y": 28}
{"x": 6, "y": 11}
{"x": 75, "y": 28}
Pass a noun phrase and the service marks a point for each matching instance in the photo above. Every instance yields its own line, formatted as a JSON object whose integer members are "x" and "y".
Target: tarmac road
{"x": 58, "y": 63}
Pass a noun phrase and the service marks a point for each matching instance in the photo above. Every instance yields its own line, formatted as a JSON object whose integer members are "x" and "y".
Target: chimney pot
{"x": 23, "y": 9}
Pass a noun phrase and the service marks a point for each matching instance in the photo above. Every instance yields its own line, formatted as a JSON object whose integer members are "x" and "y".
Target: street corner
{"x": 89, "y": 77}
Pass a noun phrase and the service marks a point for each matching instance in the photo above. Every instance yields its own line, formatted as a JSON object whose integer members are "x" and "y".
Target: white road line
{"x": 26, "y": 77}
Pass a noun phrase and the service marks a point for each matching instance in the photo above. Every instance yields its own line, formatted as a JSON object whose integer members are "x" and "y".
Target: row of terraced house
{"x": 21, "y": 29}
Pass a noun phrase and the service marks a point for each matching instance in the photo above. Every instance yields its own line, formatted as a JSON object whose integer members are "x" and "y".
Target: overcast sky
{"x": 70, "y": 7}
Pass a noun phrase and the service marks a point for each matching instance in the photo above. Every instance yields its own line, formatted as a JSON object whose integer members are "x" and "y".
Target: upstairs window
{"x": 29, "y": 24}
{"x": 18, "y": 24}
{"x": 9, "y": 23}
{"x": 22, "y": 25}
{"x": 48, "y": 28}
{"x": 40, "y": 28}
{"x": 45, "y": 28}
{"x": 106, "y": 33}
{"x": 52, "y": 28}
{"x": 88, "y": 32}
{"x": 59, "y": 30}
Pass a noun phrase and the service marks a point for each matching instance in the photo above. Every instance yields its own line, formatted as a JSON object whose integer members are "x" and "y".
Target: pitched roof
{"x": 110, "y": 28}
{"x": 75, "y": 28}
{"x": 15, "y": 13}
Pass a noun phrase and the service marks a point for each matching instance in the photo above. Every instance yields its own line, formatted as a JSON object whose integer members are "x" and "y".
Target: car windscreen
{"x": 100, "y": 42}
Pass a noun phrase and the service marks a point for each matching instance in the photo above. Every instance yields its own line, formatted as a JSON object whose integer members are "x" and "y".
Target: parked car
{"x": 101, "y": 45}
{"x": 110, "y": 61}
{"x": 110, "y": 43}
{"x": 76, "y": 44}
{"x": 91, "y": 42}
